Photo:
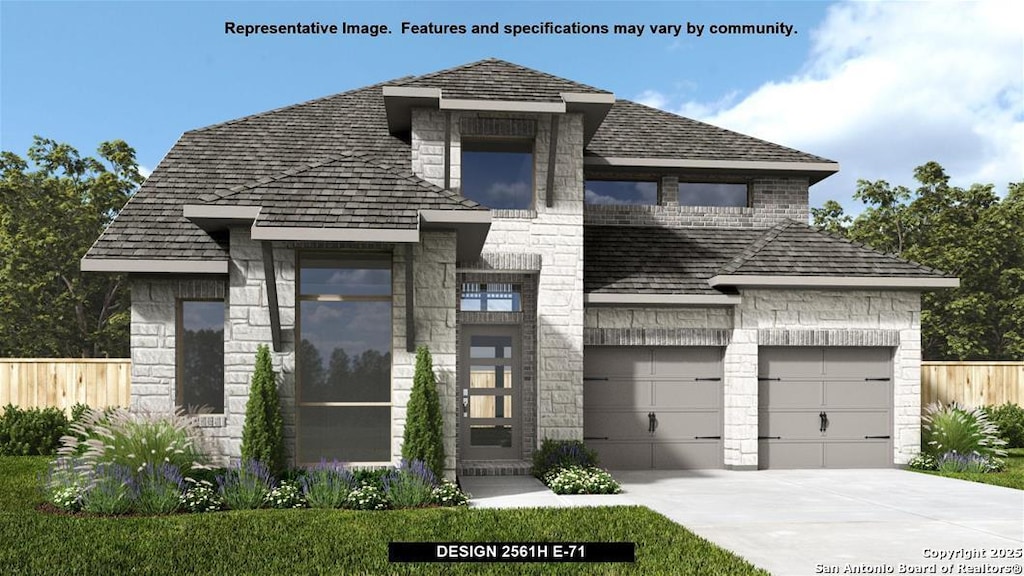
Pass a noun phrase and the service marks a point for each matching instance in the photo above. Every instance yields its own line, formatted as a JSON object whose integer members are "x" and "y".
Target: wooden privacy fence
{"x": 62, "y": 383}
{"x": 972, "y": 383}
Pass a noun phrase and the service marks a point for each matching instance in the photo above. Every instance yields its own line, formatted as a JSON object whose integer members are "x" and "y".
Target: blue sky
{"x": 878, "y": 87}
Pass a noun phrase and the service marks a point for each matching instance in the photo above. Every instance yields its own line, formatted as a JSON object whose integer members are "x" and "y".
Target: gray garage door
{"x": 653, "y": 407}
{"x": 825, "y": 407}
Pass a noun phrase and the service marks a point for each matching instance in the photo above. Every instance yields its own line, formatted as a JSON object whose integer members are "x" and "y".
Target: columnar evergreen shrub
{"x": 263, "y": 431}
{"x": 424, "y": 428}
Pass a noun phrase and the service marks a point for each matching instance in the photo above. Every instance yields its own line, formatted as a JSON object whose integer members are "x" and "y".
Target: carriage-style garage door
{"x": 825, "y": 407}
{"x": 653, "y": 407}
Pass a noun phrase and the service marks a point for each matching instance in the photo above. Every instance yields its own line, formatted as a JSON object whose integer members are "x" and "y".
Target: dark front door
{"x": 489, "y": 393}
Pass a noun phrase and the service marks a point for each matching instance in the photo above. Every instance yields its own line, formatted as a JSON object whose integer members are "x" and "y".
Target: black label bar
{"x": 511, "y": 552}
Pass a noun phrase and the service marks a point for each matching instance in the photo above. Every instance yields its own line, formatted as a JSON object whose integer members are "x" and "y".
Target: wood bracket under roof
{"x": 271, "y": 281}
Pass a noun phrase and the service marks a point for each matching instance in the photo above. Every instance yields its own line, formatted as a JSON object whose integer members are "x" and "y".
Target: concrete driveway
{"x": 802, "y": 522}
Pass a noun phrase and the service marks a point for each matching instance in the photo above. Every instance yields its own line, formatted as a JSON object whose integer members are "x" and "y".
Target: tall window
{"x": 498, "y": 174}
{"x": 344, "y": 358}
{"x": 200, "y": 348}
{"x": 712, "y": 194}
{"x": 621, "y": 192}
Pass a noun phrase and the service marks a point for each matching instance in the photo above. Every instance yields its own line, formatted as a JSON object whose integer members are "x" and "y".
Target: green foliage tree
{"x": 263, "y": 431}
{"x": 50, "y": 214}
{"x": 970, "y": 232}
{"x": 424, "y": 432}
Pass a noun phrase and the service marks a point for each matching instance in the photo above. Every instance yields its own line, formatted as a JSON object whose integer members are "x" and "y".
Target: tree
{"x": 263, "y": 431}
{"x": 424, "y": 432}
{"x": 968, "y": 232}
{"x": 50, "y": 214}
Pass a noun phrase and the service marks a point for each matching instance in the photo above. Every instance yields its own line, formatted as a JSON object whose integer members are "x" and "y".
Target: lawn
{"x": 324, "y": 541}
{"x": 1012, "y": 477}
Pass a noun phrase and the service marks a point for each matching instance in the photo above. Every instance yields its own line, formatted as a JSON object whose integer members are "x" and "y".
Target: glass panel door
{"x": 490, "y": 392}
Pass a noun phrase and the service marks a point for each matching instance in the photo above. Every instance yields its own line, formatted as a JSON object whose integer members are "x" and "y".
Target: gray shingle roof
{"x": 494, "y": 79}
{"x": 623, "y": 259}
{"x": 654, "y": 260}
{"x": 633, "y": 130}
{"x": 350, "y": 190}
{"x": 795, "y": 249}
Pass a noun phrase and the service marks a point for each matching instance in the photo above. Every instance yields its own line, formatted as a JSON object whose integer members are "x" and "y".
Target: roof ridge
{"x": 755, "y": 247}
{"x": 721, "y": 129}
{"x": 436, "y": 73}
{"x": 290, "y": 106}
{"x": 890, "y": 255}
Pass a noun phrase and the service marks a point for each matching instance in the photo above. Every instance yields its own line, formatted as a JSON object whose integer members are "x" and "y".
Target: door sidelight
{"x": 824, "y": 422}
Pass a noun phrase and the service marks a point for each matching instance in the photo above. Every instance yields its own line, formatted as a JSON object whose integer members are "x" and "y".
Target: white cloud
{"x": 145, "y": 172}
{"x": 889, "y": 86}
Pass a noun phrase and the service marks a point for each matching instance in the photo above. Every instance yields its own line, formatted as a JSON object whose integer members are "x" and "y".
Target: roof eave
{"x": 471, "y": 228}
{"x": 154, "y": 266}
{"x": 846, "y": 282}
{"x": 815, "y": 171}
{"x": 641, "y": 299}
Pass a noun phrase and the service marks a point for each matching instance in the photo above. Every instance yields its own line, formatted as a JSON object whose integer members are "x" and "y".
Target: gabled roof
{"x": 494, "y": 79}
{"x": 703, "y": 261}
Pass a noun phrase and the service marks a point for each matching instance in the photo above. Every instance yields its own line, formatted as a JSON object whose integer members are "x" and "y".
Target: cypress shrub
{"x": 424, "y": 430}
{"x": 262, "y": 434}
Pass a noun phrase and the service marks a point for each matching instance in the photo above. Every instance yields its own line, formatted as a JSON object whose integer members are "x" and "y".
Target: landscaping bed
{"x": 323, "y": 541}
{"x": 1011, "y": 477}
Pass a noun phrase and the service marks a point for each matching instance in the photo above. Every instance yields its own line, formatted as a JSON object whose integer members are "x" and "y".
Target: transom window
{"x": 498, "y": 174}
{"x": 621, "y": 192}
{"x": 344, "y": 358}
{"x": 712, "y": 194}
{"x": 491, "y": 297}
{"x": 200, "y": 350}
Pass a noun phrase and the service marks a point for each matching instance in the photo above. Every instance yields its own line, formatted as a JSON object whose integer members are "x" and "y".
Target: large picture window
{"x": 344, "y": 358}
{"x": 498, "y": 174}
{"x": 200, "y": 347}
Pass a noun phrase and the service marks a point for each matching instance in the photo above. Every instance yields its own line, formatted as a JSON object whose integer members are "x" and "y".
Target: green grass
{"x": 1011, "y": 477}
{"x": 324, "y": 541}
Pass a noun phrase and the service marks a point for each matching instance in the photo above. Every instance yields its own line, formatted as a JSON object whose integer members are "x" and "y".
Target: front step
{"x": 494, "y": 468}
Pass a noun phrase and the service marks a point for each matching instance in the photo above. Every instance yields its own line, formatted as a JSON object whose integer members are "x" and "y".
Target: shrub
{"x": 135, "y": 439}
{"x": 288, "y": 494}
{"x": 579, "y": 480}
{"x": 31, "y": 432}
{"x": 424, "y": 433}
{"x": 411, "y": 485}
{"x": 262, "y": 433}
{"x": 1009, "y": 420}
{"x": 63, "y": 485}
{"x": 159, "y": 488}
{"x": 367, "y": 497}
{"x": 370, "y": 476}
{"x": 200, "y": 497}
{"x": 327, "y": 485}
{"x": 449, "y": 494}
{"x": 953, "y": 428}
{"x": 246, "y": 486}
{"x": 556, "y": 454}
{"x": 955, "y": 462}
{"x": 923, "y": 462}
{"x": 111, "y": 491}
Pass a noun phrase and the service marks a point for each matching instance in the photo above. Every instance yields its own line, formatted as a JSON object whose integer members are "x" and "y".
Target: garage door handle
{"x": 650, "y": 422}
{"x": 877, "y": 379}
{"x": 595, "y": 379}
{"x": 708, "y": 379}
{"x": 877, "y": 437}
{"x": 762, "y": 379}
{"x": 824, "y": 421}
{"x": 595, "y": 437}
{"x": 769, "y": 437}
{"x": 707, "y": 437}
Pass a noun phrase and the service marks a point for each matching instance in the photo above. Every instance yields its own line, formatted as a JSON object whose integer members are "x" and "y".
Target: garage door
{"x": 653, "y": 407}
{"x": 825, "y": 407}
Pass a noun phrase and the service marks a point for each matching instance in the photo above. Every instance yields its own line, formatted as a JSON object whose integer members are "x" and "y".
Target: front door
{"x": 489, "y": 395}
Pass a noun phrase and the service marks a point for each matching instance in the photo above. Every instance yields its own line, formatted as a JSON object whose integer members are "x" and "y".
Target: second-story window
{"x": 498, "y": 173}
{"x": 621, "y": 192}
{"x": 712, "y": 194}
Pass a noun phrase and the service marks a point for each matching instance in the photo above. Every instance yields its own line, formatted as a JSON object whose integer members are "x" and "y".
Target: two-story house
{"x": 580, "y": 266}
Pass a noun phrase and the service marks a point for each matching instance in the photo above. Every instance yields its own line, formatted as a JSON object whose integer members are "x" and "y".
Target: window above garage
{"x": 714, "y": 194}
{"x": 621, "y": 192}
